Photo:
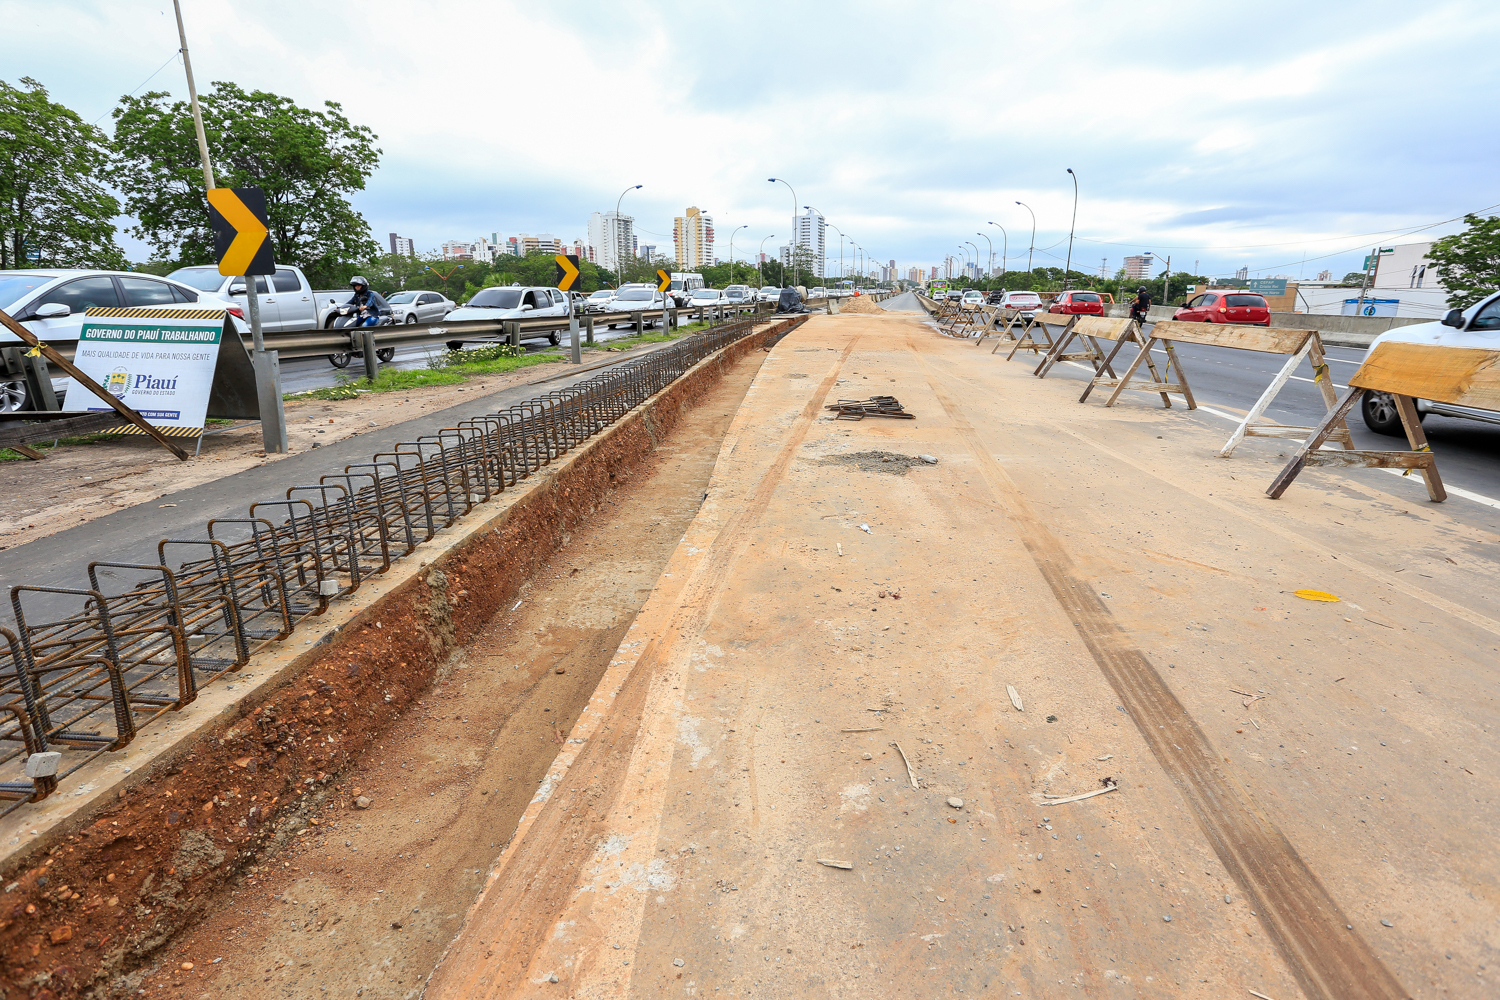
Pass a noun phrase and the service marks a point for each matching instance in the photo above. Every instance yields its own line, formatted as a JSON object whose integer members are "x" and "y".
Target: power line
{"x": 138, "y": 86}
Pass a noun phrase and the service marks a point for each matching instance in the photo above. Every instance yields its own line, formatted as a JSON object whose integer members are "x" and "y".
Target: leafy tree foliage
{"x": 1469, "y": 262}
{"x": 53, "y": 210}
{"x": 1354, "y": 278}
{"x": 307, "y": 162}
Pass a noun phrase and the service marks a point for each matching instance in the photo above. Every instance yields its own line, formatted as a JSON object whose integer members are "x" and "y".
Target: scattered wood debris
{"x": 846, "y": 865}
{"x": 910, "y": 774}
{"x": 1015, "y": 698}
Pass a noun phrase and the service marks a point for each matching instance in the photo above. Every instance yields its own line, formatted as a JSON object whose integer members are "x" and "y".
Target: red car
{"x": 1244, "y": 308}
{"x": 1078, "y": 304}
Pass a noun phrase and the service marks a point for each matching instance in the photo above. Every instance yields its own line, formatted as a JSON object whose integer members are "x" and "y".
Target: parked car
{"x": 995, "y": 298}
{"x": 637, "y": 298}
{"x": 818, "y": 293}
{"x": 1078, "y": 304}
{"x": 287, "y": 300}
{"x": 1475, "y": 327}
{"x": 600, "y": 301}
{"x": 512, "y": 302}
{"x": 973, "y": 298}
{"x": 1244, "y": 308}
{"x": 419, "y": 306}
{"x": 768, "y": 293}
{"x": 50, "y": 303}
{"x": 1028, "y": 303}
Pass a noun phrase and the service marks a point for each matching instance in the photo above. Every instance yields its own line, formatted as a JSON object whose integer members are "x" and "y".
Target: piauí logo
{"x": 118, "y": 382}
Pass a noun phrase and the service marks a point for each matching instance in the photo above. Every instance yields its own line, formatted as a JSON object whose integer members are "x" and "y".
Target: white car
{"x": 973, "y": 298}
{"x": 738, "y": 295}
{"x": 1476, "y": 327}
{"x": 769, "y": 293}
{"x": 512, "y": 302}
{"x": 600, "y": 301}
{"x": 705, "y": 298}
{"x": 1029, "y": 303}
{"x": 636, "y": 298}
{"x": 420, "y": 306}
{"x": 50, "y": 302}
{"x": 818, "y": 293}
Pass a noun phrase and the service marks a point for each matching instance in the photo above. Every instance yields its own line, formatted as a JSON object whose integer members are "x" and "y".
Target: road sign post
{"x": 664, "y": 283}
{"x": 567, "y": 279}
{"x": 242, "y": 244}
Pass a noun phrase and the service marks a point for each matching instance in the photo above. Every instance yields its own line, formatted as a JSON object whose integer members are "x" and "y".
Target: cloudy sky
{"x": 1286, "y": 137}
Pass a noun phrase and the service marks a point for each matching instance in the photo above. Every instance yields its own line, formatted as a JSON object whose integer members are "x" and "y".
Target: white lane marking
{"x": 1299, "y": 378}
{"x": 1454, "y": 490}
{"x": 1220, "y": 413}
{"x": 1345, "y": 361}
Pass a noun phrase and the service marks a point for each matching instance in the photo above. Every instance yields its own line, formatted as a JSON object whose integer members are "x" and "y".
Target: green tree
{"x": 53, "y": 210}
{"x": 1469, "y": 262}
{"x": 308, "y": 162}
{"x": 1354, "y": 278}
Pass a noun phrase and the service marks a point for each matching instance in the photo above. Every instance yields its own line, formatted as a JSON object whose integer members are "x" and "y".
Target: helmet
{"x": 1141, "y": 290}
{"x": 358, "y": 280}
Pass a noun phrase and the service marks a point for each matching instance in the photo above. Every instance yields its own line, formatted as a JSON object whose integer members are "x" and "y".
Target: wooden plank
{"x": 1371, "y": 459}
{"x": 1109, "y": 328}
{"x": 1461, "y": 376}
{"x": 73, "y": 424}
{"x": 1271, "y": 340}
{"x": 1053, "y": 319}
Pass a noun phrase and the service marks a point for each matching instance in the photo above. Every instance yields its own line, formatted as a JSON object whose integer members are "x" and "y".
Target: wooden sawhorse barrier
{"x": 1040, "y": 321}
{"x": 1296, "y": 344}
{"x": 1459, "y": 376}
{"x": 1001, "y": 321}
{"x": 1090, "y": 329}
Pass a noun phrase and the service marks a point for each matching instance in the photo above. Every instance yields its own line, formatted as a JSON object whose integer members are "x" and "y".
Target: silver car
{"x": 420, "y": 306}
{"x": 512, "y": 302}
{"x": 600, "y": 301}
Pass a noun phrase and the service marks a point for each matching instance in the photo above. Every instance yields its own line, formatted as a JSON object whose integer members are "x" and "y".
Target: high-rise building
{"x": 582, "y": 250}
{"x": 484, "y": 251}
{"x": 913, "y": 274}
{"x": 513, "y": 246}
{"x": 401, "y": 246}
{"x": 613, "y": 237}
{"x": 693, "y": 233}
{"x": 933, "y": 274}
{"x": 458, "y": 250}
{"x": 646, "y": 251}
{"x": 1243, "y": 274}
{"x": 1138, "y": 267}
{"x": 811, "y": 235}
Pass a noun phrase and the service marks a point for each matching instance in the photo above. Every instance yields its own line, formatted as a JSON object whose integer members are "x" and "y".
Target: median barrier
{"x": 1454, "y": 375}
{"x": 1038, "y": 324}
{"x": 1091, "y": 329}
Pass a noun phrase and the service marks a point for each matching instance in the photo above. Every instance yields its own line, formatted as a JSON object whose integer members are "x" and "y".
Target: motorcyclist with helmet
{"x": 367, "y": 300}
{"x": 1141, "y": 305}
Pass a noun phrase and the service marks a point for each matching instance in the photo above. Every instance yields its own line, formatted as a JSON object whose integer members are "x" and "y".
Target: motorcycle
{"x": 347, "y": 317}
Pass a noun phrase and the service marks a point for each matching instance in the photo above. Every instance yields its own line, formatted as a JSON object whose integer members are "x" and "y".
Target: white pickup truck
{"x": 1477, "y": 326}
{"x": 287, "y": 300}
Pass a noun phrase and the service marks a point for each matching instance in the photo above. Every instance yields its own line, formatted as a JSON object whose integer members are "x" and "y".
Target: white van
{"x": 684, "y": 285}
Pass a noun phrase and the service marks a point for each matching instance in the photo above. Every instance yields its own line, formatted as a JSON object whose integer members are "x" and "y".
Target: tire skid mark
{"x": 1330, "y": 960}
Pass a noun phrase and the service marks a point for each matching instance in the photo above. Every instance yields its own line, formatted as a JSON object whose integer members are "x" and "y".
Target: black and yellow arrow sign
{"x": 567, "y": 271}
{"x": 241, "y": 238}
{"x": 666, "y": 281}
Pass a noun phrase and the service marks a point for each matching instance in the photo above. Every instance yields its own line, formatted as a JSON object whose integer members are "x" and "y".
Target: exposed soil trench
{"x": 365, "y": 902}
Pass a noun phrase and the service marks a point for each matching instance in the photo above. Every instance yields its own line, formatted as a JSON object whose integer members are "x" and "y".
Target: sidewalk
{"x": 732, "y": 815}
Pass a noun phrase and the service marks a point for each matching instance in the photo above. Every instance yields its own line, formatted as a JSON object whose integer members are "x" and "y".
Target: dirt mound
{"x": 859, "y": 304}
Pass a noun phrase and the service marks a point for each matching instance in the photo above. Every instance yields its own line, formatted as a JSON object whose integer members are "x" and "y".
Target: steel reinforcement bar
{"x": 83, "y": 684}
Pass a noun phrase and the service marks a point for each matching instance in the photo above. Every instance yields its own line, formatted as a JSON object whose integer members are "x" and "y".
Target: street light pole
{"x": 992, "y": 251}
{"x": 760, "y": 261}
{"x": 731, "y": 250}
{"x": 615, "y": 229}
{"x": 1033, "y": 235}
{"x": 1068, "y": 267}
{"x": 1004, "y": 250}
{"x": 187, "y": 64}
{"x": 792, "y": 245}
{"x": 976, "y": 258}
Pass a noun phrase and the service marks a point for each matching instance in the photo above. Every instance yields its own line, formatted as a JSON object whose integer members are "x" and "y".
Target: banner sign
{"x": 158, "y": 362}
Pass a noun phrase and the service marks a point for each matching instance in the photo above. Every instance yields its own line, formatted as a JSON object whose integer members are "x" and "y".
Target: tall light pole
{"x": 187, "y": 64}
{"x": 619, "y": 255}
{"x": 964, "y": 250}
{"x": 976, "y": 259}
{"x": 1004, "y": 249}
{"x": 1033, "y": 235}
{"x": 760, "y": 258}
{"x": 1069, "y": 265}
{"x": 992, "y": 251}
{"x": 841, "y": 252}
{"x": 731, "y": 250}
{"x": 792, "y": 245}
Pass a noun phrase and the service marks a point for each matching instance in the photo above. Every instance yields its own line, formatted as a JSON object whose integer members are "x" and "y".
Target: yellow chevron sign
{"x": 241, "y": 235}
{"x": 666, "y": 281}
{"x": 567, "y": 270}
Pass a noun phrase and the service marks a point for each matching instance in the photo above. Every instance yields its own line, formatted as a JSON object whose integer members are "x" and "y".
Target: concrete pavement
{"x": 794, "y": 782}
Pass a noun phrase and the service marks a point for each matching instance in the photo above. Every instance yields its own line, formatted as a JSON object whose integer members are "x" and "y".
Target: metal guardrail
{"x": 82, "y": 683}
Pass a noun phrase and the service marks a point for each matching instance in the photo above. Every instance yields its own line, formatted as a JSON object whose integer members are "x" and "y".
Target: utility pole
{"x": 187, "y": 64}
{"x": 1364, "y": 285}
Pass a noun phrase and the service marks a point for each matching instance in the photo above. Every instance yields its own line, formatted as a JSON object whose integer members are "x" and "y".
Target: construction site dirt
{"x": 478, "y": 672}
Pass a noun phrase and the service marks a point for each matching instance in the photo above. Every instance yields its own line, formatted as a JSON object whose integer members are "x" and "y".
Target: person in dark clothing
{"x": 1140, "y": 305}
{"x": 789, "y": 301}
{"x": 367, "y": 300}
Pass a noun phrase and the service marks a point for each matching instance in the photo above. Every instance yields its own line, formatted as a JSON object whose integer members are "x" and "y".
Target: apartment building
{"x": 402, "y": 246}
{"x": 612, "y": 236}
{"x": 693, "y": 234}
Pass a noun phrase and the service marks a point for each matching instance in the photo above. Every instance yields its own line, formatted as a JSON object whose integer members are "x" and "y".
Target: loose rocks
{"x": 956, "y": 802}
{"x": 363, "y": 802}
